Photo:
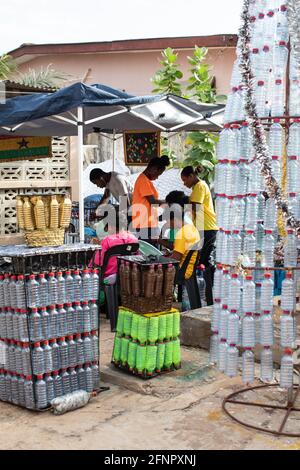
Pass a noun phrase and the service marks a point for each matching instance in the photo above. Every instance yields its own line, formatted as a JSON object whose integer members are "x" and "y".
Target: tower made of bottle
{"x": 147, "y": 340}
{"x": 251, "y": 227}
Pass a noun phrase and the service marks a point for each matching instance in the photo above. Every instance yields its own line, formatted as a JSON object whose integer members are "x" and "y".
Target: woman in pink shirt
{"x": 116, "y": 236}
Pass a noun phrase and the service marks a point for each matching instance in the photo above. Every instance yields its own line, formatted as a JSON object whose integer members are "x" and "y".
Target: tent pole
{"x": 80, "y": 173}
{"x": 114, "y": 151}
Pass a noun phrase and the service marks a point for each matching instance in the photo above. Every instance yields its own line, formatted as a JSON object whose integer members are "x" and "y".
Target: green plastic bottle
{"x": 151, "y": 358}
{"x": 169, "y": 326}
{"x": 160, "y": 358}
{"x": 124, "y": 350}
{"x": 153, "y": 329}
{"x": 143, "y": 329}
{"x": 117, "y": 349}
{"x": 176, "y": 353}
{"x": 176, "y": 324}
{"x": 132, "y": 349}
{"x": 168, "y": 355}
{"x": 120, "y": 323}
{"x": 134, "y": 326}
{"x": 127, "y": 323}
{"x": 162, "y": 327}
{"x": 141, "y": 354}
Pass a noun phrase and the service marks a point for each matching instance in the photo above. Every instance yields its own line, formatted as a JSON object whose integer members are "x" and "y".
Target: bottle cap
{"x": 278, "y": 81}
{"x": 40, "y": 377}
{"x": 86, "y": 271}
{"x": 224, "y": 307}
{"x": 283, "y": 8}
{"x": 288, "y": 351}
{"x": 37, "y": 345}
{"x": 249, "y": 277}
{"x": 266, "y": 312}
{"x": 276, "y": 120}
{"x": 34, "y": 310}
{"x": 68, "y": 273}
{"x": 42, "y": 275}
{"x": 289, "y": 275}
{"x": 59, "y": 273}
{"x": 266, "y": 48}
{"x": 275, "y": 158}
{"x": 226, "y": 126}
{"x": 70, "y": 337}
{"x": 51, "y": 274}
{"x": 233, "y": 311}
{"x": 249, "y": 314}
{"x": 270, "y": 13}
{"x": 282, "y": 43}
{"x": 286, "y": 312}
{"x": 62, "y": 338}
{"x": 232, "y": 345}
{"x": 249, "y": 232}
{"x": 93, "y": 301}
{"x": 255, "y": 50}
{"x": 235, "y": 126}
{"x": 60, "y": 306}
{"x": 69, "y": 304}
{"x": 290, "y": 230}
{"x": 248, "y": 349}
{"x": 46, "y": 343}
{"x": 77, "y": 303}
{"x": 267, "y": 275}
{"x": 260, "y": 83}
{"x": 293, "y": 157}
{"x": 85, "y": 302}
{"x": 234, "y": 276}
{"x": 245, "y": 124}
{"x": 236, "y": 232}
{"x": 32, "y": 276}
{"x": 76, "y": 272}
{"x": 86, "y": 335}
{"x": 268, "y": 232}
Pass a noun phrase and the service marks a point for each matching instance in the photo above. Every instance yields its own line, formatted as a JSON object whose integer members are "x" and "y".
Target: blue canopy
{"x": 104, "y": 108}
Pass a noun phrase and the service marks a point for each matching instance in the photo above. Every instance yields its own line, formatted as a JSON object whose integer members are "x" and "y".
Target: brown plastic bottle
{"x": 169, "y": 280}
{"x": 127, "y": 278}
{"x": 150, "y": 276}
{"x": 135, "y": 280}
{"x": 159, "y": 281}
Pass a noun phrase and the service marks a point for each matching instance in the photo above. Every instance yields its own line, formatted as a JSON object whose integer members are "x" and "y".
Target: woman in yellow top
{"x": 204, "y": 216}
{"x": 146, "y": 199}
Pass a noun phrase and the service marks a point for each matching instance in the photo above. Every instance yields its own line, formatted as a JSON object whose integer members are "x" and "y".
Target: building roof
{"x": 27, "y": 52}
{"x": 18, "y": 88}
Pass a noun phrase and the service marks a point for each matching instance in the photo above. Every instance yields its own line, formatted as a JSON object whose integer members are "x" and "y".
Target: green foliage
{"x": 7, "y": 66}
{"x": 166, "y": 79}
{"x": 200, "y": 81}
{"x": 202, "y": 153}
{"x": 43, "y": 78}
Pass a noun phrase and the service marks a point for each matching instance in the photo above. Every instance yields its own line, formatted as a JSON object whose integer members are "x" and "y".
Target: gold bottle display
{"x": 54, "y": 213}
{"x": 65, "y": 212}
{"x": 39, "y": 213}
{"x": 28, "y": 215}
{"x": 20, "y": 213}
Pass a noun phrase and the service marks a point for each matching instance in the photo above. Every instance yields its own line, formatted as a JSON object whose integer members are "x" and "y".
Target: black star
{"x": 23, "y": 144}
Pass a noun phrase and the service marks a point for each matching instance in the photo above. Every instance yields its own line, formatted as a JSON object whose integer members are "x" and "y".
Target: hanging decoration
{"x": 255, "y": 124}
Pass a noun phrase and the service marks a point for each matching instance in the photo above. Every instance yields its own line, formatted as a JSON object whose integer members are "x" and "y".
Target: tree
{"x": 7, "y": 66}
{"x": 43, "y": 78}
{"x": 166, "y": 80}
{"x": 200, "y": 81}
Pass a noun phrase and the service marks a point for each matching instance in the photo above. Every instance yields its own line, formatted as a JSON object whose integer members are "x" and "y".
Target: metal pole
{"x": 114, "y": 151}
{"x": 80, "y": 173}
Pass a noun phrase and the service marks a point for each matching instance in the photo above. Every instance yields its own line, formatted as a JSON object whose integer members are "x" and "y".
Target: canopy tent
{"x": 82, "y": 109}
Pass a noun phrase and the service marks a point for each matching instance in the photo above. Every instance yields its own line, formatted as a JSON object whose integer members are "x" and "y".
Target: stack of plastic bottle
{"x": 146, "y": 345}
{"x": 248, "y": 219}
{"x": 48, "y": 336}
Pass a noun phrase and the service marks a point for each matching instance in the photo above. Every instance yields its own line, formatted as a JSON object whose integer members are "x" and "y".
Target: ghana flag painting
{"x": 24, "y": 148}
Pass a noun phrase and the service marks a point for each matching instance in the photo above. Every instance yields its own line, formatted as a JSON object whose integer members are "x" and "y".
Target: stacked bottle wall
{"x": 48, "y": 336}
{"x": 248, "y": 219}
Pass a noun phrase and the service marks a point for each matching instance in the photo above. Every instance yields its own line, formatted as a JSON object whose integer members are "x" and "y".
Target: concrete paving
{"x": 180, "y": 410}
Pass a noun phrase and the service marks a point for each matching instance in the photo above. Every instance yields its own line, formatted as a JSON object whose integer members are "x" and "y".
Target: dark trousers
{"x": 208, "y": 246}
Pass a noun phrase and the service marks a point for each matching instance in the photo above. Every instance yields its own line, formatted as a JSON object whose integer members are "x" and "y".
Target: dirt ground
{"x": 181, "y": 410}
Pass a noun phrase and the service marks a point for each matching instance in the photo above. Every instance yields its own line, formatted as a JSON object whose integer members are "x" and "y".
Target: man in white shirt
{"x": 114, "y": 184}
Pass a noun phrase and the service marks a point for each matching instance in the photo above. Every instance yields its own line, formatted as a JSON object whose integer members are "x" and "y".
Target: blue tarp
{"x": 32, "y": 107}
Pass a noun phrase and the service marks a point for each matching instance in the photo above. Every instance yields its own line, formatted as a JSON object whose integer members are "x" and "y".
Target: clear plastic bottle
{"x": 266, "y": 329}
{"x": 38, "y": 364}
{"x": 96, "y": 375}
{"x": 79, "y": 316}
{"x": 48, "y": 361}
{"x": 214, "y": 345}
{"x": 267, "y": 293}
{"x": 250, "y": 248}
{"x": 222, "y": 146}
{"x": 70, "y": 319}
{"x": 287, "y": 330}
{"x": 86, "y": 317}
{"x": 53, "y": 290}
{"x": 259, "y": 236}
{"x": 69, "y": 287}
{"x": 44, "y": 296}
{"x": 19, "y": 359}
{"x": 61, "y": 288}
{"x": 58, "y": 386}
{"x": 248, "y": 295}
{"x": 33, "y": 297}
{"x": 13, "y": 292}
{"x": 15, "y": 323}
{"x": 233, "y": 328}
{"x": 2, "y": 303}
{"x": 29, "y": 393}
{"x": 268, "y": 249}
{"x": 287, "y": 293}
{"x": 77, "y": 286}
{"x": 290, "y": 249}
{"x": 49, "y": 387}
{"x": 88, "y": 378}
{"x": 248, "y": 366}
{"x": 270, "y": 215}
{"x": 95, "y": 284}
{"x": 292, "y": 174}
{"x": 87, "y": 347}
{"x": 234, "y": 292}
{"x": 223, "y": 325}
{"x": 94, "y": 315}
{"x": 278, "y": 97}
{"x": 81, "y": 378}
{"x": 248, "y": 331}
{"x": 72, "y": 351}
{"x": 2, "y": 386}
{"x": 62, "y": 320}
{"x": 260, "y": 98}
{"x": 66, "y": 383}
{"x": 9, "y": 323}
{"x": 79, "y": 349}
{"x": 287, "y": 369}
{"x": 266, "y": 364}
{"x": 217, "y": 288}
{"x": 247, "y": 151}
{"x": 95, "y": 345}
{"x": 55, "y": 354}
{"x": 216, "y": 315}
{"x": 73, "y": 379}
{"x": 14, "y": 388}
{"x": 225, "y": 286}
{"x": 53, "y": 322}
{"x": 21, "y": 390}
{"x": 86, "y": 285}
{"x": 6, "y": 290}
{"x": 64, "y": 353}
{"x": 8, "y": 386}
{"x": 35, "y": 322}
{"x": 45, "y": 322}
{"x": 26, "y": 359}
{"x": 232, "y": 361}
